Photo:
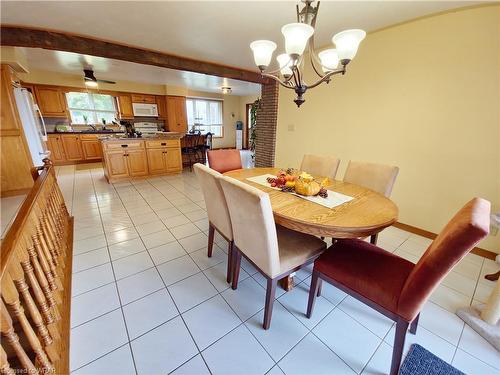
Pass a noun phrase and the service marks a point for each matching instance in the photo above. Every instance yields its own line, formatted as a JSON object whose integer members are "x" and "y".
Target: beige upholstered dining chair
{"x": 325, "y": 166}
{"x": 218, "y": 214}
{"x": 377, "y": 177}
{"x": 274, "y": 250}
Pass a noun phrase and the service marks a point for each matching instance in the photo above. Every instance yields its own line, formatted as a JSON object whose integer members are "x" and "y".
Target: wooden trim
{"x": 424, "y": 233}
{"x": 11, "y": 193}
{"x": 19, "y": 36}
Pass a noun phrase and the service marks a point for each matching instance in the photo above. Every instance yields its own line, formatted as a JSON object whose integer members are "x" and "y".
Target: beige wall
{"x": 425, "y": 96}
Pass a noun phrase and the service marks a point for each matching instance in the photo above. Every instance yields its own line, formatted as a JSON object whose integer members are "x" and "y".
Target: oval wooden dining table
{"x": 367, "y": 214}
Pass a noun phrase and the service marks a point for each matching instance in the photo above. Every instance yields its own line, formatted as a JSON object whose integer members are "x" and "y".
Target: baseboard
{"x": 424, "y": 233}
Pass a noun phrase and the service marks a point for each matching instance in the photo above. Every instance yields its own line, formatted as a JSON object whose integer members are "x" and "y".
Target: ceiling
{"x": 217, "y": 31}
{"x": 117, "y": 70}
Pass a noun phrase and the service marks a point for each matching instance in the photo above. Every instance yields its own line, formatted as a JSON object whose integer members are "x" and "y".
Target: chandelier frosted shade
{"x": 285, "y": 64}
{"x": 347, "y": 43}
{"x": 296, "y": 37}
{"x": 262, "y": 52}
{"x": 329, "y": 59}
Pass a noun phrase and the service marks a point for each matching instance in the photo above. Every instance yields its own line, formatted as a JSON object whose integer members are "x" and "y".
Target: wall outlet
{"x": 291, "y": 127}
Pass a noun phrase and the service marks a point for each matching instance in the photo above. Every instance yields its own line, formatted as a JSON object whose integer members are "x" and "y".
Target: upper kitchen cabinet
{"x": 51, "y": 101}
{"x": 176, "y": 114}
{"x": 125, "y": 109}
{"x": 162, "y": 107}
{"x": 140, "y": 98}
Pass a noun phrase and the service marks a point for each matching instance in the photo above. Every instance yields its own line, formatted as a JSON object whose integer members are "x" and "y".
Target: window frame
{"x": 215, "y": 100}
{"x": 93, "y": 109}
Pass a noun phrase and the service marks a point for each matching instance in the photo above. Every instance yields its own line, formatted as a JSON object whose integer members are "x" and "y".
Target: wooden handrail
{"x": 35, "y": 281}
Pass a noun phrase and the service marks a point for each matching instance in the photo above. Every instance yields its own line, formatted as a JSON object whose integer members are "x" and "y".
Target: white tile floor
{"x": 147, "y": 300}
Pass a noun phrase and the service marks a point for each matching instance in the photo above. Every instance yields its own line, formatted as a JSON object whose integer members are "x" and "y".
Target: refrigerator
{"x": 33, "y": 125}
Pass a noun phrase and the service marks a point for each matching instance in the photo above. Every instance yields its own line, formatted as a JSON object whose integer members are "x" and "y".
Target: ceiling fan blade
{"x": 106, "y": 81}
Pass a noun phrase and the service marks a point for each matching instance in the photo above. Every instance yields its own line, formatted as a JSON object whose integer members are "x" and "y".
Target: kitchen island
{"x": 134, "y": 158}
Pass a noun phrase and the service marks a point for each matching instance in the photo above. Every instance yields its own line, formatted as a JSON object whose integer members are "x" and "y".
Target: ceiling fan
{"x": 91, "y": 80}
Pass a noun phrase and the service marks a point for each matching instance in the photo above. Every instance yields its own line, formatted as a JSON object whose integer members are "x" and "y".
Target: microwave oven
{"x": 145, "y": 110}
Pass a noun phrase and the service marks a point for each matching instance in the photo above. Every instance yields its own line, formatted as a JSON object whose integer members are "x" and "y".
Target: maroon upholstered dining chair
{"x": 392, "y": 285}
{"x": 224, "y": 160}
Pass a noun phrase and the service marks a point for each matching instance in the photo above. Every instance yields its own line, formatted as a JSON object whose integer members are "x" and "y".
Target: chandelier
{"x": 298, "y": 36}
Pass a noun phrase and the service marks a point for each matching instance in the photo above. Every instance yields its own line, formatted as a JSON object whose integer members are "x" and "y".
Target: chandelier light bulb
{"x": 296, "y": 38}
{"x": 347, "y": 43}
{"x": 329, "y": 59}
{"x": 262, "y": 52}
{"x": 285, "y": 63}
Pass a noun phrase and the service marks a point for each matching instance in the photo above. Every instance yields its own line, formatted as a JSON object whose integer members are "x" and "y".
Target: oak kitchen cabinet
{"x": 133, "y": 158}
{"x": 143, "y": 98}
{"x": 72, "y": 147}
{"x": 162, "y": 107}
{"x": 177, "y": 116}
{"x": 51, "y": 101}
{"x": 164, "y": 156}
{"x": 55, "y": 146}
{"x": 91, "y": 147}
{"x": 125, "y": 110}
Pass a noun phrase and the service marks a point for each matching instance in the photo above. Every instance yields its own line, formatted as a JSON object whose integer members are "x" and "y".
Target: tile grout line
{"x": 116, "y": 285}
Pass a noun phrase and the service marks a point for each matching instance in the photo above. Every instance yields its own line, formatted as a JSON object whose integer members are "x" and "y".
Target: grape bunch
{"x": 290, "y": 171}
{"x": 323, "y": 193}
{"x": 271, "y": 180}
{"x": 287, "y": 189}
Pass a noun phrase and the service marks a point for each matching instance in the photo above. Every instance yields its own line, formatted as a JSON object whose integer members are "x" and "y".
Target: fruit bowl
{"x": 290, "y": 180}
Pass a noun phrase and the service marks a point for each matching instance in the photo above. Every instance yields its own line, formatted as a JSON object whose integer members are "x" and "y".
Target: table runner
{"x": 334, "y": 199}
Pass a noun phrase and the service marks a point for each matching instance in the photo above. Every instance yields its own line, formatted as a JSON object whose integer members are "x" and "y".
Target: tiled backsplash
{"x": 52, "y": 122}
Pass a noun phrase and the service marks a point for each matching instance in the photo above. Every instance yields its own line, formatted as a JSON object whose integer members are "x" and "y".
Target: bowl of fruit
{"x": 302, "y": 183}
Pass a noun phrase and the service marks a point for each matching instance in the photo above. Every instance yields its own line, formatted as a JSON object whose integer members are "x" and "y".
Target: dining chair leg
{"x": 229, "y": 261}
{"x": 414, "y": 325}
{"x": 268, "y": 309}
{"x": 313, "y": 291}
{"x": 373, "y": 239}
{"x": 236, "y": 267}
{"x": 399, "y": 344}
{"x": 320, "y": 287}
{"x": 211, "y": 233}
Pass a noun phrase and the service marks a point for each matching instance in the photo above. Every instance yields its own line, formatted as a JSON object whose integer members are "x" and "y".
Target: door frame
{"x": 246, "y": 133}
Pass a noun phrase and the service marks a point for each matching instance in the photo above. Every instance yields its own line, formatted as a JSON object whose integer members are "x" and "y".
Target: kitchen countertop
{"x": 166, "y": 135}
{"x": 87, "y": 132}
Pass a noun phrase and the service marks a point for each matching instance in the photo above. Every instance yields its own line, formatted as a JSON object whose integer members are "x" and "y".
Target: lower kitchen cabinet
{"x": 173, "y": 159}
{"x": 156, "y": 160}
{"x": 132, "y": 158}
{"x": 91, "y": 147}
{"x": 137, "y": 163}
{"x": 72, "y": 147}
{"x": 116, "y": 164}
{"x": 55, "y": 146}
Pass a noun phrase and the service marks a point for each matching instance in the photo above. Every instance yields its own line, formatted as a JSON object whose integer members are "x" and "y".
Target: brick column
{"x": 267, "y": 119}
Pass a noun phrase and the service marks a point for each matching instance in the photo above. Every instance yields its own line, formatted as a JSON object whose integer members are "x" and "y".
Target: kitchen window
{"x": 90, "y": 108}
{"x": 205, "y": 115}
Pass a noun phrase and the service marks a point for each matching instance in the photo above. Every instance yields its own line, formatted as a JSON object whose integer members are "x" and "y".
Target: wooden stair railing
{"x": 36, "y": 261}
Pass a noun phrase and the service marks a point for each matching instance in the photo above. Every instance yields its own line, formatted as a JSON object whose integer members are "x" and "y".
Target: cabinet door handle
{"x": 163, "y": 144}
{"x": 124, "y": 145}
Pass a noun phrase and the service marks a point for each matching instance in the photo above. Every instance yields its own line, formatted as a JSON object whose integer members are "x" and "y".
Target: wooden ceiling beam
{"x": 19, "y": 36}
